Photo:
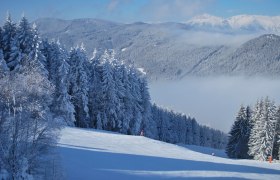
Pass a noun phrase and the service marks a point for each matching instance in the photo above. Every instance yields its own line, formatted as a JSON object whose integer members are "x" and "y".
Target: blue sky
{"x": 136, "y": 10}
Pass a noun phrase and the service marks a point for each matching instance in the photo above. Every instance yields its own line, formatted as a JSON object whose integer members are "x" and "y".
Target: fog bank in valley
{"x": 213, "y": 101}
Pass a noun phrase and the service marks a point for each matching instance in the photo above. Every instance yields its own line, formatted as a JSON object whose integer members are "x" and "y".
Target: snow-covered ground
{"x": 92, "y": 154}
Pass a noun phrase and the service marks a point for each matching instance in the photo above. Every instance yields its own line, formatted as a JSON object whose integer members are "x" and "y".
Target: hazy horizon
{"x": 213, "y": 101}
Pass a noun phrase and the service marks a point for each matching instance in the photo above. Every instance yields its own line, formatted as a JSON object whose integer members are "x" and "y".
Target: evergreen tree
{"x": 239, "y": 135}
{"x": 189, "y": 131}
{"x": 276, "y": 145}
{"x": 110, "y": 102}
{"x": 24, "y": 36}
{"x": 9, "y": 32}
{"x": 120, "y": 90}
{"x": 263, "y": 132}
{"x": 95, "y": 92}
{"x": 150, "y": 128}
{"x": 79, "y": 86}
{"x": 3, "y": 66}
{"x": 15, "y": 59}
{"x": 196, "y": 132}
{"x": 62, "y": 103}
{"x": 127, "y": 101}
{"x": 1, "y": 39}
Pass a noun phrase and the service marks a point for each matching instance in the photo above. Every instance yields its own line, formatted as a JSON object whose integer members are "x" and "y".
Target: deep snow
{"x": 92, "y": 154}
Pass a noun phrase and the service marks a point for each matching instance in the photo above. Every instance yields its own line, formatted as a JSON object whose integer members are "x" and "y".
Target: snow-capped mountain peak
{"x": 250, "y": 23}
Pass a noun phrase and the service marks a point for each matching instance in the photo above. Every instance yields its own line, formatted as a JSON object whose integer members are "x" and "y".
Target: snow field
{"x": 92, "y": 154}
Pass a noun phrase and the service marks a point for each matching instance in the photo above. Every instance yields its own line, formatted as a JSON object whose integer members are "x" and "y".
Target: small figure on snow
{"x": 213, "y": 154}
{"x": 142, "y": 133}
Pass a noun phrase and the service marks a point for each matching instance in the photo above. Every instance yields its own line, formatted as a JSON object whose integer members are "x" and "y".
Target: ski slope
{"x": 91, "y": 154}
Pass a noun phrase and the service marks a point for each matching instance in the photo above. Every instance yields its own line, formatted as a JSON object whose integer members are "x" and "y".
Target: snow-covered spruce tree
{"x": 262, "y": 135}
{"x": 276, "y": 145}
{"x": 205, "y": 136}
{"x": 137, "y": 109}
{"x": 3, "y": 66}
{"x": 120, "y": 90}
{"x": 52, "y": 53}
{"x": 58, "y": 74}
{"x": 9, "y": 32}
{"x": 127, "y": 101}
{"x": 189, "y": 131}
{"x": 24, "y": 35}
{"x": 110, "y": 102}
{"x": 182, "y": 129}
{"x": 63, "y": 106}
{"x": 95, "y": 92}
{"x": 196, "y": 132}
{"x": 36, "y": 51}
{"x": 79, "y": 86}
{"x": 1, "y": 39}
{"x": 149, "y": 126}
{"x": 237, "y": 146}
{"x": 15, "y": 58}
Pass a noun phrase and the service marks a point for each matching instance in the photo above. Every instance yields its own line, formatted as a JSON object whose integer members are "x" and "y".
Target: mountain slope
{"x": 91, "y": 154}
{"x": 175, "y": 50}
{"x": 259, "y": 56}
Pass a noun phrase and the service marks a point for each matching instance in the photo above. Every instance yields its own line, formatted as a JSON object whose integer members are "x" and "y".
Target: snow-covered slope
{"x": 91, "y": 154}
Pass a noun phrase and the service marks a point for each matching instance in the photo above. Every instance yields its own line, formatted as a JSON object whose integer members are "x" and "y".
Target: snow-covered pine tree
{"x": 196, "y": 132}
{"x": 189, "y": 131}
{"x": 137, "y": 109}
{"x": 149, "y": 126}
{"x": 15, "y": 56}
{"x": 256, "y": 115}
{"x": 120, "y": 90}
{"x": 182, "y": 128}
{"x": 79, "y": 86}
{"x": 9, "y": 32}
{"x": 1, "y": 39}
{"x": 63, "y": 106}
{"x": 262, "y": 135}
{"x": 202, "y": 135}
{"x": 34, "y": 58}
{"x": 110, "y": 101}
{"x": 3, "y": 66}
{"x": 36, "y": 51}
{"x": 127, "y": 101}
{"x": 95, "y": 92}
{"x": 24, "y": 36}
{"x": 276, "y": 145}
{"x": 205, "y": 137}
{"x": 239, "y": 135}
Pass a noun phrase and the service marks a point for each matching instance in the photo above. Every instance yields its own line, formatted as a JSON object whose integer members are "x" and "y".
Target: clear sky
{"x": 136, "y": 10}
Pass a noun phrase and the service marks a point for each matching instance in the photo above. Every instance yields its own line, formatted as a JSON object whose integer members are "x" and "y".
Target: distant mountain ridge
{"x": 239, "y": 23}
{"x": 175, "y": 50}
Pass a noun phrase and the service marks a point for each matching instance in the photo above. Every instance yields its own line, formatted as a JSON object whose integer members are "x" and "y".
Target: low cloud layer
{"x": 213, "y": 101}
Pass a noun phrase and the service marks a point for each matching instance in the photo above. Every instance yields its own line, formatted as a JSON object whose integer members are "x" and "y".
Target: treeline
{"x": 255, "y": 133}
{"x": 178, "y": 128}
{"x": 44, "y": 86}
